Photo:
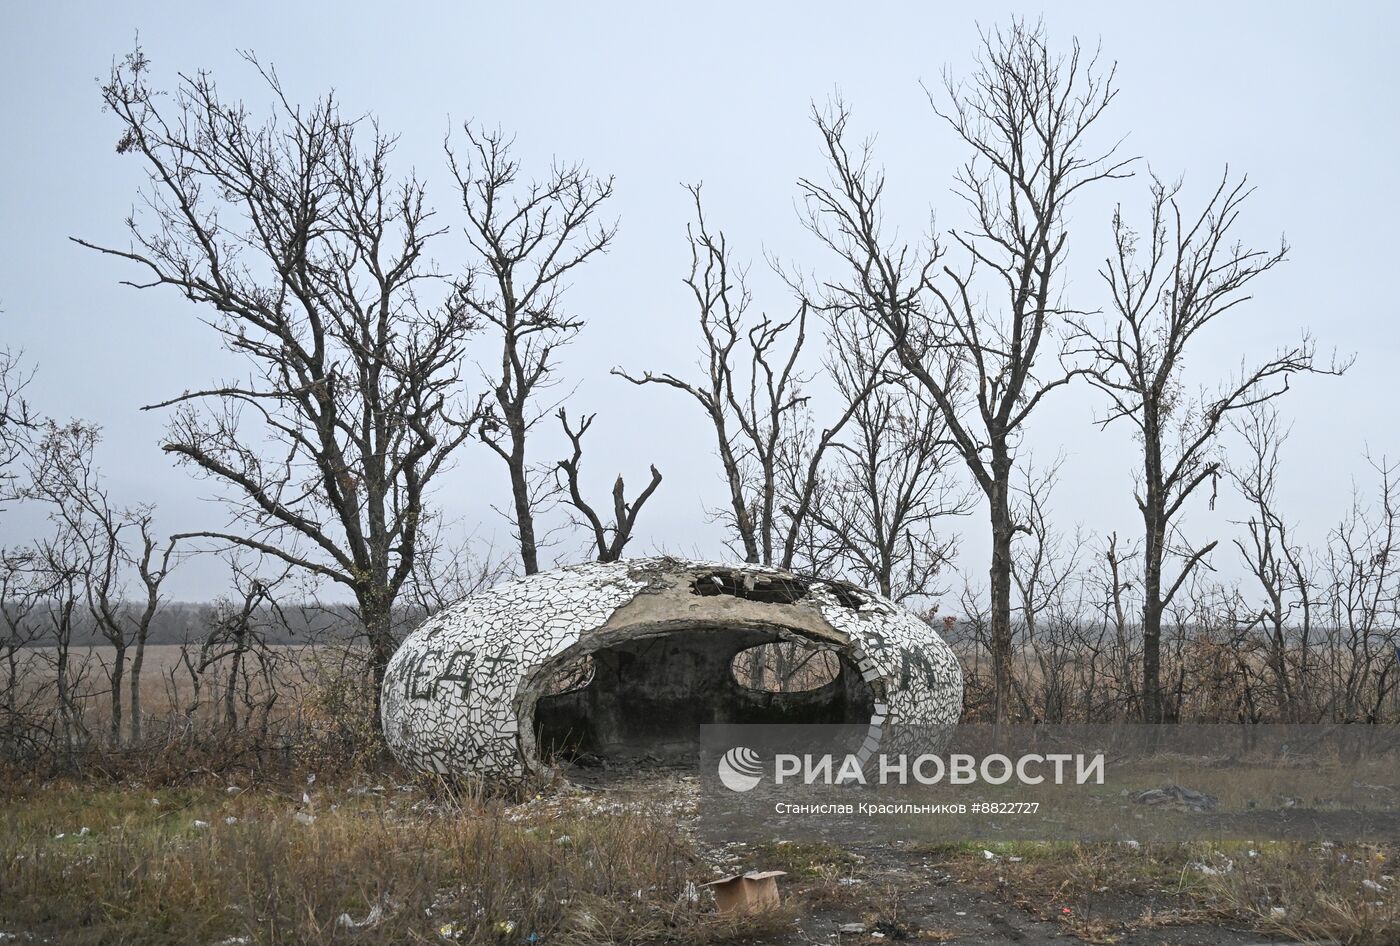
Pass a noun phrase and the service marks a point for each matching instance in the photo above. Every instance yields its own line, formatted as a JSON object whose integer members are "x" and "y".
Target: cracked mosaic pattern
{"x": 452, "y": 692}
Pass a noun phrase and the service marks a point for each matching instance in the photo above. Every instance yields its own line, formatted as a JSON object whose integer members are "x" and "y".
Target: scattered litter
{"x": 1277, "y": 911}
{"x": 230, "y": 820}
{"x": 1226, "y": 865}
{"x": 84, "y": 832}
{"x": 853, "y": 929}
{"x": 564, "y": 840}
{"x": 1174, "y": 796}
{"x": 989, "y": 855}
{"x": 304, "y": 818}
{"x": 1370, "y": 884}
{"x": 201, "y": 825}
{"x": 505, "y": 927}
{"x": 371, "y": 919}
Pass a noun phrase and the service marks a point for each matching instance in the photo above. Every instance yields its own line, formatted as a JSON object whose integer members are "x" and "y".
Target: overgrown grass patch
{"x": 1314, "y": 892}
{"x": 1342, "y": 893}
{"x": 204, "y": 865}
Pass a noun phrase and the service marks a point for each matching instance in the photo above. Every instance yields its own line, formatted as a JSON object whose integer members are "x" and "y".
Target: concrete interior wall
{"x": 648, "y": 697}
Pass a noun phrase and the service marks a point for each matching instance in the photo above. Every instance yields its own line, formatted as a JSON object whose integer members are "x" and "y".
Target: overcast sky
{"x": 1301, "y": 96}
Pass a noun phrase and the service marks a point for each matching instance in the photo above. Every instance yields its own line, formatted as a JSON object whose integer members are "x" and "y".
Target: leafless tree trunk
{"x": 1165, "y": 293}
{"x": 526, "y": 239}
{"x": 152, "y": 568}
{"x": 1274, "y": 560}
{"x": 310, "y": 257}
{"x": 236, "y": 636}
{"x": 608, "y": 540}
{"x": 1025, "y": 115}
{"x": 1363, "y": 602}
{"x": 60, "y": 566}
{"x": 1042, "y": 568}
{"x": 63, "y": 477}
{"x": 17, "y": 606}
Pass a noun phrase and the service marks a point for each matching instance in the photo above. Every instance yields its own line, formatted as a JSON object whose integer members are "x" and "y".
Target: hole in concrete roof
{"x": 574, "y": 675}
{"x": 847, "y": 596}
{"x": 784, "y": 667}
{"x": 767, "y": 589}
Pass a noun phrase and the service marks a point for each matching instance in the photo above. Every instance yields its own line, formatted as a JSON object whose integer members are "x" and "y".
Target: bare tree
{"x": 59, "y": 568}
{"x": 114, "y": 545}
{"x": 1165, "y": 293}
{"x": 18, "y": 630}
{"x": 1026, "y": 115}
{"x": 1274, "y": 559}
{"x": 237, "y": 639}
{"x": 608, "y": 540}
{"x": 752, "y": 394}
{"x": 1043, "y": 566}
{"x": 310, "y": 258}
{"x": 527, "y": 238}
{"x": 889, "y": 483}
{"x": 1363, "y": 602}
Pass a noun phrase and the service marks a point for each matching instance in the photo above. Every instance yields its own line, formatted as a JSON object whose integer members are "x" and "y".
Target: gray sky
{"x": 1299, "y": 95}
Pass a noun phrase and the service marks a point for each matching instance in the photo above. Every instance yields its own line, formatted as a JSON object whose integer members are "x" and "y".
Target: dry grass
{"x": 372, "y": 861}
{"x": 376, "y": 861}
{"x": 395, "y": 864}
{"x": 1326, "y": 893}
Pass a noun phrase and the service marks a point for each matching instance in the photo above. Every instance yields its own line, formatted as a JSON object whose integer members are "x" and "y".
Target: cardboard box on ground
{"x": 753, "y": 892}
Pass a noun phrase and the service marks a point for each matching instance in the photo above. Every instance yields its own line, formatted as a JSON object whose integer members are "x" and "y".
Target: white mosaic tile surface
{"x": 450, "y": 691}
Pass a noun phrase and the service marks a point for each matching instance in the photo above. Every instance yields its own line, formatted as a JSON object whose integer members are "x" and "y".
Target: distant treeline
{"x": 182, "y": 622}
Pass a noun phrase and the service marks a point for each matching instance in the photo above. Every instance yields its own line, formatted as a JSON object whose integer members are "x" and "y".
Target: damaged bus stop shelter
{"x": 625, "y": 660}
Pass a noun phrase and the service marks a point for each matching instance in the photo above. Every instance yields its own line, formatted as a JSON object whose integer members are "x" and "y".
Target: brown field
{"x": 291, "y": 825}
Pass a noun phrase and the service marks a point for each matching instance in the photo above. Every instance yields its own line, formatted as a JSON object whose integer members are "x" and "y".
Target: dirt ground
{"x": 615, "y": 855}
{"x": 896, "y": 891}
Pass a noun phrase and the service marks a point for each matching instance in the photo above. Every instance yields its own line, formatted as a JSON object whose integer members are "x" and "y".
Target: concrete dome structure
{"x": 476, "y": 689}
